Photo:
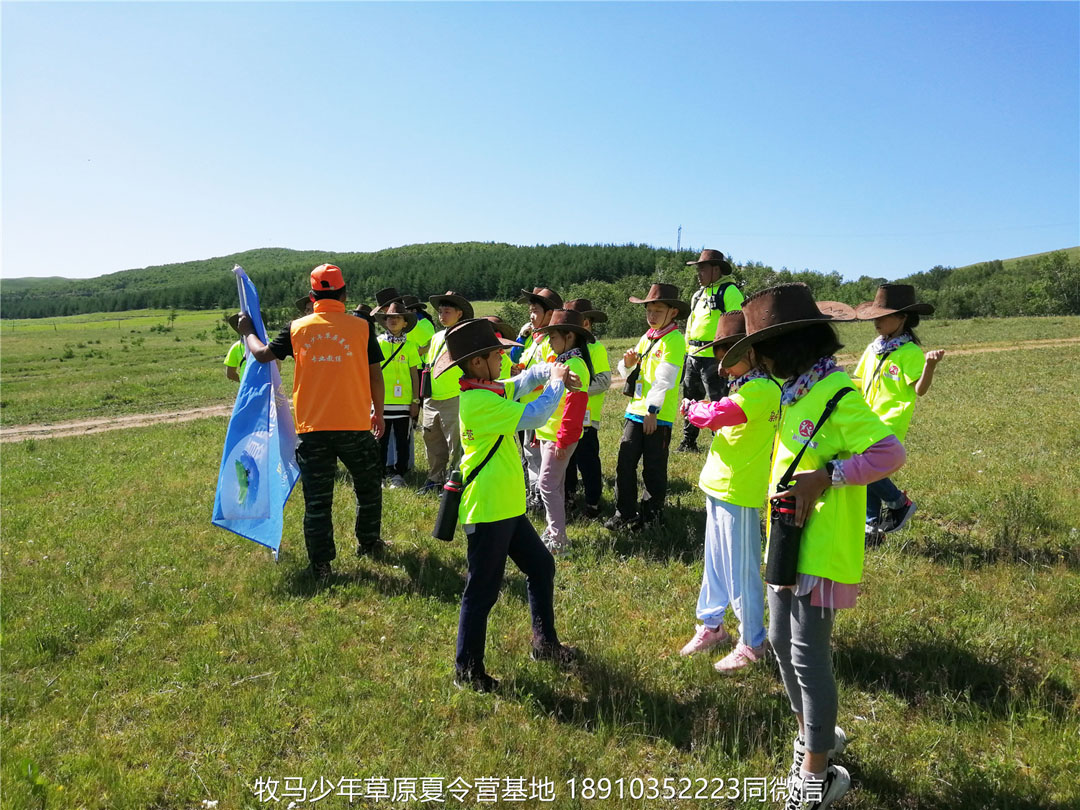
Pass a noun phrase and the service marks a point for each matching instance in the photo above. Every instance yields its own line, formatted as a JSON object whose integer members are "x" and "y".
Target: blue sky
{"x": 862, "y": 138}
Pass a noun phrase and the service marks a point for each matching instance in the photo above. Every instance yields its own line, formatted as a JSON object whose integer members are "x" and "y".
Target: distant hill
{"x": 1045, "y": 283}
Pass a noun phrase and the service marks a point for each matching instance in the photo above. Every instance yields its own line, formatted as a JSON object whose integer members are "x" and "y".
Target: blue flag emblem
{"x": 258, "y": 464}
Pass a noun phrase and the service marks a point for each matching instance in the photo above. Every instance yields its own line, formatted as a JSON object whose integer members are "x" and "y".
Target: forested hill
{"x": 1044, "y": 284}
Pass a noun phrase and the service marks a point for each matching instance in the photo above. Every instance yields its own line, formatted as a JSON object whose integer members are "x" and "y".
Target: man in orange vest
{"x": 338, "y": 405}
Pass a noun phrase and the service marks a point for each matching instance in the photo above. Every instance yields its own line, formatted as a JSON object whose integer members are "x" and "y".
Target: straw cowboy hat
{"x": 453, "y": 299}
{"x": 395, "y": 308}
{"x": 384, "y": 298}
{"x": 585, "y": 307}
{"x": 664, "y": 294}
{"x": 729, "y": 329}
{"x": 545, "y": 297}
{"x": 781, "y": 309}
{"x": 468, "y": 339}
{"x": 715, "y": 257}
{"x": 892, "y": 299}
{"x": 568, "y": 320}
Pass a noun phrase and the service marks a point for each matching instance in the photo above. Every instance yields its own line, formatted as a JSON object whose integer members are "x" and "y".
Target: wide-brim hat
{"x": 544, "y": 296}
{"x": 454, "y": 299}
{"x": 234, "y": 320}
{"x": 715, "y": 257}
{"x": 395, "y": 308}
{"x": 302, "y": 303}
{"x": 362, "y": 311}
{"x": 781, "y": 309}
{"x": 892, "y": 299}
{"x": 501, "y": 326}
{"x": 664, "y": 294}
{"x": 585, "y": 307}
{"x": 384, "y": 298}
{"x": 730, "y": 329}
{"x": 412, "y": 302}
{"x": 468, "y": 339}
{"x": 569, "y": 320}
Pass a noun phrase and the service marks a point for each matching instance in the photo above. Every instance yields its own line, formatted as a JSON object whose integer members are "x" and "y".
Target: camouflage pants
{"x": 317, "y": 455}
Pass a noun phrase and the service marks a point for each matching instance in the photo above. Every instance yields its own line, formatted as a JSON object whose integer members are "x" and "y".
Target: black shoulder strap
{"x": 718, "y": 297}
{"x": 487, "y": 458}
{"x": 877, "y": 370}
{"x": 829, "y": 408}
{"x": 392, "y": 355}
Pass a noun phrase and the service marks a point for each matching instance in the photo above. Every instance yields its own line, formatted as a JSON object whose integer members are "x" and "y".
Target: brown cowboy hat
{"x": 892, "y": 299}
{"x": 395, "y": 308}
{"x": 362, "y": 311}
{"x": 545, "y": 297}
{"x": 501, "y": 326}
{"x": 385, "y": 297}
{"x": 468, "y": 339}
{"x": 664, "y": 294}
{"x": 715, "y": 257}
{"x": 585, "y": 307}
{"x": 454, "y": 299}
{"x": 569, "y": 320}
{"x": 781, "y": 309}
{"x": 302, "y": 303}
{"x": 234, "y": 320}
{"x": 730, "y": 328}
{"x": 412, "y": 302}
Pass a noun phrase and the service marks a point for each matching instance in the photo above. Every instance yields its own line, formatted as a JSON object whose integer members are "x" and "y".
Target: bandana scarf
{"x": 882, "y": 346}
{"x": 392, "y": 338}
{"x": 472, "y": 384}
{"x": 562, "y": 358}
{"x": 752, "y": 374}
{"x": 653, "y": 334}
{"x": 794, "y": 390}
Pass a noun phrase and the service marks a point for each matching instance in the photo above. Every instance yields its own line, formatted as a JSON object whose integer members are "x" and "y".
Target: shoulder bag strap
{"x": 718, "y": 297}
{"x": 392, "y": 355}
{"x": 487, "y": 458}
{"x": 829, "y": 408}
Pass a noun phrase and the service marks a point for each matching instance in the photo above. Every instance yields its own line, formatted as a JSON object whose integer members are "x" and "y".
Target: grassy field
{"x": 153, "y": 661}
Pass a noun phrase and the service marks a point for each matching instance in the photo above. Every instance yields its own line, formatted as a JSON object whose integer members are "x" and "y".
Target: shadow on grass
{"x": 965, "y": 549}
{"x": 678, "y": 535}
{"x": 931, "y": 669}
{"x": 738, "y": 721}
{"x": 973, "y": 792}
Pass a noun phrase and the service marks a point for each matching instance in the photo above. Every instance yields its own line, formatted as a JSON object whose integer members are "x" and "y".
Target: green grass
{"x": 152, "y": 660}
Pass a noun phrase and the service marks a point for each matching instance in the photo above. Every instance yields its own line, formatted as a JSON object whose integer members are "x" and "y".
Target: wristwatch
{"x": 835, "y": 477}
{"x": 654, "y": 410}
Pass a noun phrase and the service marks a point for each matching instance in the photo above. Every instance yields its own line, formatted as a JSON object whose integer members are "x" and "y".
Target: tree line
{"x": 1047, "y": 284}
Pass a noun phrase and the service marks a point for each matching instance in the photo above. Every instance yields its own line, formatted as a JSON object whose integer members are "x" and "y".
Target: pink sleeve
{"x": 713, "y": 415}
{"x": 879, "y": 460}
{"x": 573, "y": 417}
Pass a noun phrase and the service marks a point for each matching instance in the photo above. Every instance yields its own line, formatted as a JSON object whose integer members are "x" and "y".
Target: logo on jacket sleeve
{"x": 806, "y": 428}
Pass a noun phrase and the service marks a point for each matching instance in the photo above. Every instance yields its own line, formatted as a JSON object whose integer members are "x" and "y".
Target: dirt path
{"x": 83, "y": 427}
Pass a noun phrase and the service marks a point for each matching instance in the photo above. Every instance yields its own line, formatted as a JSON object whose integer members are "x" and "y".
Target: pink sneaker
{"x": 705, "y": 639}
{"x": 741, "y": 656}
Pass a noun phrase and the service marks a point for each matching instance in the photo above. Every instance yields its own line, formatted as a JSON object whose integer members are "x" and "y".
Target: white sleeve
{"x": 667, "y": 375}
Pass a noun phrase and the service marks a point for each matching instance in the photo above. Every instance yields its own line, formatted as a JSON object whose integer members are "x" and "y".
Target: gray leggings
{"x": 800, "y": 638}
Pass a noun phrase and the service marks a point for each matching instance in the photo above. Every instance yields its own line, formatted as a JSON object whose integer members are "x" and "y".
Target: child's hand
{"x": 807, "y": 491}
{"x": 630, "y": 358}
{"x": 934, "y": 357}
{"x": 573, "y": 382}
{"x": 561, "y": 371}
{"x": 517, "y": 368}
{"x": 560, "y": 452}
{"x": 684, "y": 406}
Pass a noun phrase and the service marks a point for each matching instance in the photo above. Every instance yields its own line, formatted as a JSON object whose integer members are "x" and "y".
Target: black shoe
{"x": 874, "y": 535}
{"x": 559, "y": 654}
{"x": 478, "y": 683}
{"x": 686, "y": 447}
{"x": 620, "y": 524}
{"x": 430, "y": 487}
{"x": 591, "y": 511}
{"x": 322, "y": 571}
{"x": 373, "y": 548}
{"x": 895, "y": 519}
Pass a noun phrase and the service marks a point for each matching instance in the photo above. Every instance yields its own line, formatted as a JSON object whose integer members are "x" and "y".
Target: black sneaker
{"x": 686, "y": 447}
{"x": 559, "y": 654}
{"x": 322, "y": 571}
{"x": 896, "y": 519}
{"x": 618, "y": 523}
{"x": 372, "y": 548}
{"x": 874, "y": 535}
{"x": 478, "y": 683}
{"x": 591, "y": 511}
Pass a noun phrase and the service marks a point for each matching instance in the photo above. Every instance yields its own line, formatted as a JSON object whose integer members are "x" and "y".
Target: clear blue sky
{"x": 865, "y": 138}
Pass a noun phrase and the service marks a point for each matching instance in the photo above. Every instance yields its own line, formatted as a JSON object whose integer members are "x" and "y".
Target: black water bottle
{"x": 449, "y": 503}
{"x": 782, "y": 562}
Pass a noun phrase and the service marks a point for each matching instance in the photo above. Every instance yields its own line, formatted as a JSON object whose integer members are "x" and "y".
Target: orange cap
{"x": 327, "y": 277}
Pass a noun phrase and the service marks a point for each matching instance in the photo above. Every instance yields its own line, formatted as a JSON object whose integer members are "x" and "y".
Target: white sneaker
{"x": 397, "y": 482}
{"x": 799, "y": 750}
{"x": 810, "y": 794}
{"x": 705, "y": 639}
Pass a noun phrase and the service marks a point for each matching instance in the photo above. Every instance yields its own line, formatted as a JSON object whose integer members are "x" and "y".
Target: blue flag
{"x": 258, "y": 465}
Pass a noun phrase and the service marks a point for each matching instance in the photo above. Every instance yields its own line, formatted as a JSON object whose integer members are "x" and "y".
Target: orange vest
{"x": 331, "y": 384}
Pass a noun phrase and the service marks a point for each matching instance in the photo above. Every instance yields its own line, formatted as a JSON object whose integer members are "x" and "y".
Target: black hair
{"x": 328, "y": 295}
{"x": 581, "y": 344}
{"x": 911, "y": 320}
{"x": 795, "y": 352}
